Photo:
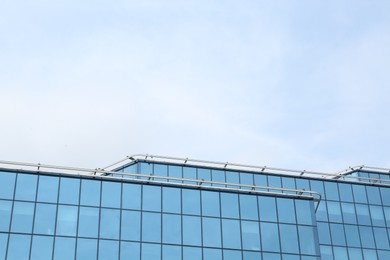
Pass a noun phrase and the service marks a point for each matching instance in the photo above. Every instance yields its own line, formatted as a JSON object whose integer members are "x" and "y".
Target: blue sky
{"x": 295, "y": 84}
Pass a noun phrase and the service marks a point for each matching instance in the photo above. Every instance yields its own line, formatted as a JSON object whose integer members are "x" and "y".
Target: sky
{"x": 297, "y": 84}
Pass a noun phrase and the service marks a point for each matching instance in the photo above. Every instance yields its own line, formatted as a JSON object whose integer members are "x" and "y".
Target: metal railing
{"x": 156, "y": 179}
{"x": 345, "y": 174}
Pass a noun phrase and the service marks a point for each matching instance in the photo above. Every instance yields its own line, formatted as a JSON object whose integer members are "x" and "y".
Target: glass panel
{"x": 260, "y": 180}
{"x": 111, "y": 194}
{"x": 340, "y": 253}
{"x": 7, "y": 185}
{"x": 130, "y": 250}
{"x": 175, "y": 172}
{"x": 373, "y": 195}
{"x": 22, "y": 217}
{"x": 229, "y": 205}
{"x": 369, "y": 254}
{"x": 151, "y": 227}
{"x": 191, "y": 231}
{"x": 42, "y": 248}
{"x": 45, "y": 219}
{"x": 218, "y": 176}
{"x": 109, "y": 223}
{"x": 289, "y": 238}
{"x": 172, "y": 200}
{"x": 378, "y": 219}
{"x": 368, "y": 237}
{"x": 67, "y": 220}
{"x": 171, "y": 252}
{"x": 192, "y": 253}
{"x": 151, "y": 198}
{"x": 131, "y": 196}
{"x": 48, "y": 189}
{"x": 359, "y": 193}
{"x": 3, "y": 245}
{"x": 145, "y": 168}
{"x": 189, "y": 173}
{"x": 355, "y": 253}
{"x": 382, "y": 241}
{"x": 191, "y": 202}
{"x": 267, "y": 208}
{"x": 151, "y": 252}
{"x": 322, "y": 212}
{"x": 204, "y": 174}
{"x": 302, "y": 184}
{"x": 331, "y": 191}
{"x": 212, "y": 254}
{"x": 349, "y": 214}
{"x": 352, "y": 235}
{"x": 385, "y": 192}
{"x": 304, "y": 210}
{"x": 246, "y": 178}
{"x": 210, "y": 204}
{"x": 345, "y": 192}
{"x": 363, "y": 215}
{"x": 90, "y": 193}
{"x": 307, "y": 240}
{"x": 326, "y": 253}
{"x": 26, "y": 187}
{"x": 274, "y": 181}
{"x": 232, "y": 177}
{"x": 5, "y": 215}
{"x": 160, "y": 170}
{"x": 248, "y": 207}
{"x": 323, "y": 233}
{"x": 233, "y": 255}
{"x": 286, "y": 210}
{"x": 171, "y": 229}
{"x": 64, "y": 248}
{"x": 387, "y": 215}
{"x": 69, "y": 191}
{"x": 337, "y": 232}
{"x": 88, "y": 222}
{"x": 211, "y": 232}
{"x": 108, "y": 249}
{"x": 334, "y": 211}
{"x": 270, "y": 237}
{"x": 231, "y": 234}
{"x": 19, "y": 247}
{"x": 131, "y": 225}
{"x": 250, "y": 235}
{"x": 270, "y": 256}
{"x": 86, "y": 249}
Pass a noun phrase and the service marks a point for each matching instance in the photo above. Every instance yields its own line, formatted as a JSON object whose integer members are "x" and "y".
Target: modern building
{"x": 154, "y": 207}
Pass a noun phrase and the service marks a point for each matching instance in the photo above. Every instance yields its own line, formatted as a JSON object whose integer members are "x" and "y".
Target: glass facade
{"x": 45, "y": 216}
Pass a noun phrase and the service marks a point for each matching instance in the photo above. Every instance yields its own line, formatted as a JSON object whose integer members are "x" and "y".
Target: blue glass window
{"x": 288, "y": 183}
{"x": 302, "y": 184}
{"x": 131, "y": 196}
{"x": 160, "y": 170}
{"x": 274, "y": 181}
{"x": 232, "y": 177}
{"x": 382, "y": 241}
{"x": 345, "y": 192}
{"x": 3, "y": 245}
{"x": 369, "y": 254}
{"x": 171, "y": 252}
{"x": 307, "y": 240}
{"x": 7, "y": 185}
{"x": 171, "y": 229}
{"x": 368, "y": 237}
{"x": 88, "y": 222}
{"x": 260, "y": 180}
{"x": 270, "y": 256}
{"x": 210, "y": 204}
{"x": 45, "y": 219}
{"x": 86, "y": 249}
{"x": 286, "y": 210}
{"x": 331, "y": 191}
{"x": 326, "y": 253}
{"x": 289, "y": 238}
{"x": 269, "y": 237}
{"x": 26, "y": 186}
{"x": 151, "y": 198}
{"x": 150, "y": 251}
{"x": 218, "y": 176}
{"x": 69, "y": 191}
{"x": 130, "y": 250}
{"x": 322, "y": 212}
{"x": 359, "y": 192}
{"x": 340, "y": 252}
{"x": 233, "y": 255}
{"x": 355, "y": 253}
{"x": 304, "y": 211}
{"x": 189, "y": 173}
{"x": 191, "y": 231}
{"x": 109, "y": 223}
{"x": 323, "y": 233}
{"x": 334, "y": 211}
{"x": 48, "y": 189}
{"x": 212, "y": 254}
{"x": 90, "y": 193}
{"x": 385, "y": 192}
{"x": 191, "y": 202}
{"x": 108, "y": 249}
{"x": 19, "y": 247}
{"x": 373, "y": 195}
{"x": 111, "y": 194}
{"x": 363, "y": 215}
{"x": 22, "y": 217}
{"x": 377, "y": 217}
{"x": 387, "y": 215}
{"x": 248, "y": 207}
{"x": 5, "y": 215}
{"x": 171, "y": 200}
{"x": 192, "y": 253}
{"x": 42, "y": 248}
{"x": 204, "y": 174}
{"x": 231, "y": 234}
{"x": 352, "y": 235}
{"x": 67, "y": 220}
{"x": 337, "y": 232}
{"x": 64, "y": 248}
{"x": 145, "y": 168}
{"x": 246, "y": 178}
{"x": 131, "y": 225}
{"x": 211, "y": 232}
{"x": 267, "y": 208}
{"x": 175, "y": 172}
{"x": 229, "y": 205}
{"x": 151, "y": 227}
{"x": 250, "y": 235}
{"x": 349, "y": 214}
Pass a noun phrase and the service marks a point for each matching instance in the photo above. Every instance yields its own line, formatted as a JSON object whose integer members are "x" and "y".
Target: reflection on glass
{"x": 45, "y": 219}
{"x": 88, "y": 222}
{"x": 26, "y": 186}
{"x": 86, "y": 249}
{"x": 69, "y": 191}
{"x": 19, "y": 247}
{"x": 22, "y": 217}
{"x": 66, "y": 220}
{"x": 42, "y": 248}
{"x": 7, "y": 185}
{"x": 48, "y": 189}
